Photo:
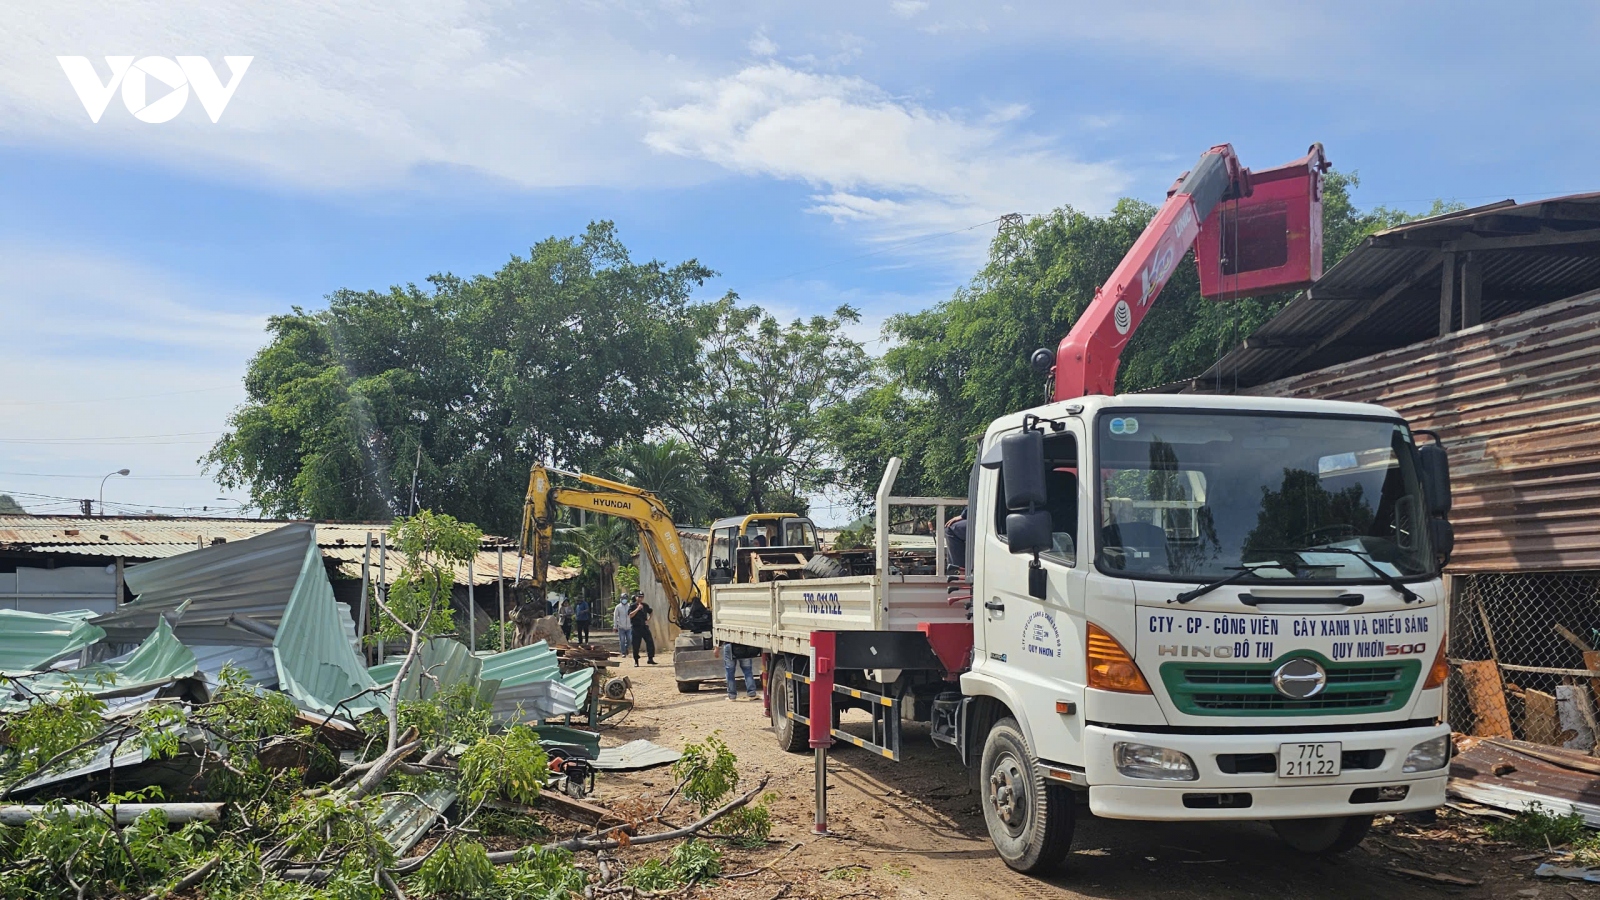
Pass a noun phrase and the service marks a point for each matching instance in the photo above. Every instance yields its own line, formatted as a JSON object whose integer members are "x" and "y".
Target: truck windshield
{"x": 1194, "y": 496}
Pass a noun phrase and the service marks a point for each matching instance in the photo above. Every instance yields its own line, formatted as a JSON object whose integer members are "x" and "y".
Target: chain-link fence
{"x": 1517, "y": 645}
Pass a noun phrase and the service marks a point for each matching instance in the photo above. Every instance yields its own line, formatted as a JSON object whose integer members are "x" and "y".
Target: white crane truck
{"x": 1187, "y": 607}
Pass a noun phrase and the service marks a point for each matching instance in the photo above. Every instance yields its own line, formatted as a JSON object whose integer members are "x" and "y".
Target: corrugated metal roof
{"x": 1385, "y": 293}
{"x": 32, "y": 641}
{"x": 633, "y": 755}
{"x": 317, "y": 666}
{"x": 252, "y": 577}
{"x": 160, "y": 659}
{"x": 1517, "y": 402}
{"x": 150, "y": 538}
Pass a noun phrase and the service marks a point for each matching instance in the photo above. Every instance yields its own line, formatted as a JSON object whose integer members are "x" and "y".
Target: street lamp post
{"x": 103, "y": 488}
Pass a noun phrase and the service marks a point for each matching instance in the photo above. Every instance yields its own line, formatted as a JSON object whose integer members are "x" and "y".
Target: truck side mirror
{"x": 1022, "y": 468}
{"x": 1443, "y": 538}
{"x": 1435, "y": 466}
{"x": 1028, "y": 532}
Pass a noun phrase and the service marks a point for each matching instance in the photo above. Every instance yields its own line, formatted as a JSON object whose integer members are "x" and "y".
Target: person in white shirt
{"x": 619, "y": 615}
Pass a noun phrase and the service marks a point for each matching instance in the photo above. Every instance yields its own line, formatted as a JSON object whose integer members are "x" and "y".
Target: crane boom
{"x": 1268, "y": 241}
{"x": 658, "y": 537}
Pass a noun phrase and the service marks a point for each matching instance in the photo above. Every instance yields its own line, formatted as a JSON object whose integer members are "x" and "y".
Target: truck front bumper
{"x": 1219, "y": 794}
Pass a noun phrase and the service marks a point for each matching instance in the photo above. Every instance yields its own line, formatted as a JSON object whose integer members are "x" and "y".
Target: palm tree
{"x": 604, "y": 544}
{"x": 670, "y": 470}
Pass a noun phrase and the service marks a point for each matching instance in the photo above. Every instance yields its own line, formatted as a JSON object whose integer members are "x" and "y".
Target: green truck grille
{"x": 1232, "y": 689}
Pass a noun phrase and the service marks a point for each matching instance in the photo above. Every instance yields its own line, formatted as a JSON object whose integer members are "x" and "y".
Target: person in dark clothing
{"x": 955, "y": 542}
{"x": 581, "y": 615}
{"x": 639, "y": 620}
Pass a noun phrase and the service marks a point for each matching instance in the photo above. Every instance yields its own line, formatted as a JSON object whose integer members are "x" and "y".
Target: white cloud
{"x": 359, "y": 94}
{"x": 875, "y": 158}
{"x": 906, "y": 9}
{"x": 116, "y": 365}
{"x": 761, "y": 45}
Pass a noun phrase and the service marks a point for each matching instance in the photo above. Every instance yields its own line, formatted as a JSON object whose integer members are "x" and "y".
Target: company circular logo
{"x": 1300, "y": 679}
{"x": 1123, "y": 317}
{"x": 164, "y": 70}
{"x": 1130, "y": 425}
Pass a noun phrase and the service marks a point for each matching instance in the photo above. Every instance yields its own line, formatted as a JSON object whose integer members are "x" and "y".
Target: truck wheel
{"x": 792, "y": 737}
{"x": 1029, "y": 820}
{"x": 1334, "y": 834}
{"x": 688, "y": 687}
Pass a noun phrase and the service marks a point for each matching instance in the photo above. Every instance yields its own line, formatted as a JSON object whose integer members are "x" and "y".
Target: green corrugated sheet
{"x": 446, "y": 663}
{"x": 524, "y": 665}
{"x": 159, "y": 660}
{"x": 316, "y": 664}
{"x": 31, "y": 641}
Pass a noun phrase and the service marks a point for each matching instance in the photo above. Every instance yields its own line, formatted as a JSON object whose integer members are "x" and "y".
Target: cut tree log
{"x": 1486, "y": 697}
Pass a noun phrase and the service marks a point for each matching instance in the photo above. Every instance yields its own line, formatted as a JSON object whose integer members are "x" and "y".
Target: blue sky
{"x": 812, "y": 153}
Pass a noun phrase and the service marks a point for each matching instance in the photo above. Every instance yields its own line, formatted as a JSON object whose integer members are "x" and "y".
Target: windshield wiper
{"x": 1406, "y": 593}
{"x": 1239, "y": 573}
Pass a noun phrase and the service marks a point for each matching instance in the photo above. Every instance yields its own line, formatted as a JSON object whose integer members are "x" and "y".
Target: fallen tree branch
{"x": 189, "y": 880}
{"x": 792, "y": 848}
{"x": 125, "y": 813}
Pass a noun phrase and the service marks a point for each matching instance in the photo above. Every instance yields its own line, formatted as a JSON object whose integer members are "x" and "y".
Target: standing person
{"x": 639, "y": 620}
{"x": 619, "y": 618}
{"x": 729, "y": 663}
{"x": 580, "y": 620}
{"x": 564, "y": 610}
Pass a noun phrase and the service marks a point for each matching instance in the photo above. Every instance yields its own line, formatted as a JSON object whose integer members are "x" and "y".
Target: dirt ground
{"x": 914, "y": 830}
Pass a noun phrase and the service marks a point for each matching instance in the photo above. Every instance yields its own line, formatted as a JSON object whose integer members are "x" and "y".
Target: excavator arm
{"x": 658, "y": 537}
{"x": 1259, "y": 233}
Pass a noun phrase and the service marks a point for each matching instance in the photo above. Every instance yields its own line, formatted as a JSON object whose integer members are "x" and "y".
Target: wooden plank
{"x": 1541, "y": 724}
{"x": 1447, "y": 294}
{"x": 1471, "y": 293}
{"x": 1523, "y": 241}
{"x": 1486, "y": 697}
{"x": 1574, "y": 761}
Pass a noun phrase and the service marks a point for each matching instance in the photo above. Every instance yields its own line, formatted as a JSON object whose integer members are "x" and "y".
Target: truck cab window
{"x": 1061, "y": 483}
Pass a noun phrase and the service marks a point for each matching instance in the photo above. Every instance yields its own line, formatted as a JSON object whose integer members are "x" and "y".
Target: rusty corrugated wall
{"x": 1517, "y": 402}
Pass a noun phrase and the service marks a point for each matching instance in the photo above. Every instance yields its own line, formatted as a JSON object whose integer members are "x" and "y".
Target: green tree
{"x": 604, "y": 544}
{"x": 756, "y": 415}
{"x": 670, "y": 470}
{"x": 10, "y": 507}
{"x": 461, "y": 386}
{"x": 957, "y": 366}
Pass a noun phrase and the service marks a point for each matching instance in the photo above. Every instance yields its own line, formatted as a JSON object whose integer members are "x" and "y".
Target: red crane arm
{"x": 1275, "y": 240}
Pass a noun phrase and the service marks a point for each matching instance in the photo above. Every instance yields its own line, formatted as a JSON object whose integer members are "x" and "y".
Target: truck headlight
{"x": 1428, "y": 755}
{"x": 1154, "y": 763}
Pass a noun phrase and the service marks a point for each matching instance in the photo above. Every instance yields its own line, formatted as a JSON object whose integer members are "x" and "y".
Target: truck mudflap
{"x": 1238, "y": 776}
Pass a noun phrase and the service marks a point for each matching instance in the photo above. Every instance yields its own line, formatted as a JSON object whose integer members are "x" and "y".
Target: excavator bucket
{"x": 1269, "y": 240}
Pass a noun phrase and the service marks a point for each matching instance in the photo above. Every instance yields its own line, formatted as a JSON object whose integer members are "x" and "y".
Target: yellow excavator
{"x": 742, "y": 549}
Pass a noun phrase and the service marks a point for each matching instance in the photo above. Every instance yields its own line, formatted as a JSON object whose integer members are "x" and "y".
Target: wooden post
{"x": 1471, "y": 293}
{"x": 383, "y": 576}
{"x": 120, "y": 582}
{"x": 500, "y": 568}
{"x": 472, "y": 608}
{"x": 1447, "y": 294}
{"x": 1487, "y": 698}
{"x": 362, "y": 621}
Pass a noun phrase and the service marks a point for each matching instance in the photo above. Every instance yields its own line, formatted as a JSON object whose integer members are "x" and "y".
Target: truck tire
{"x": 825, "y": 567}
{"x": 1030, "y": 820}
{"x": 1334, "y": 834}
{"x": 688, "y": 687}
{"x": 792, "y": 736}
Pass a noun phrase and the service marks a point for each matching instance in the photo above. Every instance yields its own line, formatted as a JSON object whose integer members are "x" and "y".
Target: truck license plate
{"x": 1309, "y": 760}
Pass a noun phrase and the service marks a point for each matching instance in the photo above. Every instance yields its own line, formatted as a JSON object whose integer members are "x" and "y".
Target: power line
{"x": 113, "y": 399}
{"x": 97, "y": 477}
{"x": 112, "y": 438}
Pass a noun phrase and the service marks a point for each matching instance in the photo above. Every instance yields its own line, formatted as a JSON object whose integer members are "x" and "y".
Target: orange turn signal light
{"x": 1439, "y": 671}
{"x": 1111, "y": 668}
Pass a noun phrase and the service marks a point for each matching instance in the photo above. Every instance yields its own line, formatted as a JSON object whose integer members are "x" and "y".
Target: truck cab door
{"x": 1033, "y": 645}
